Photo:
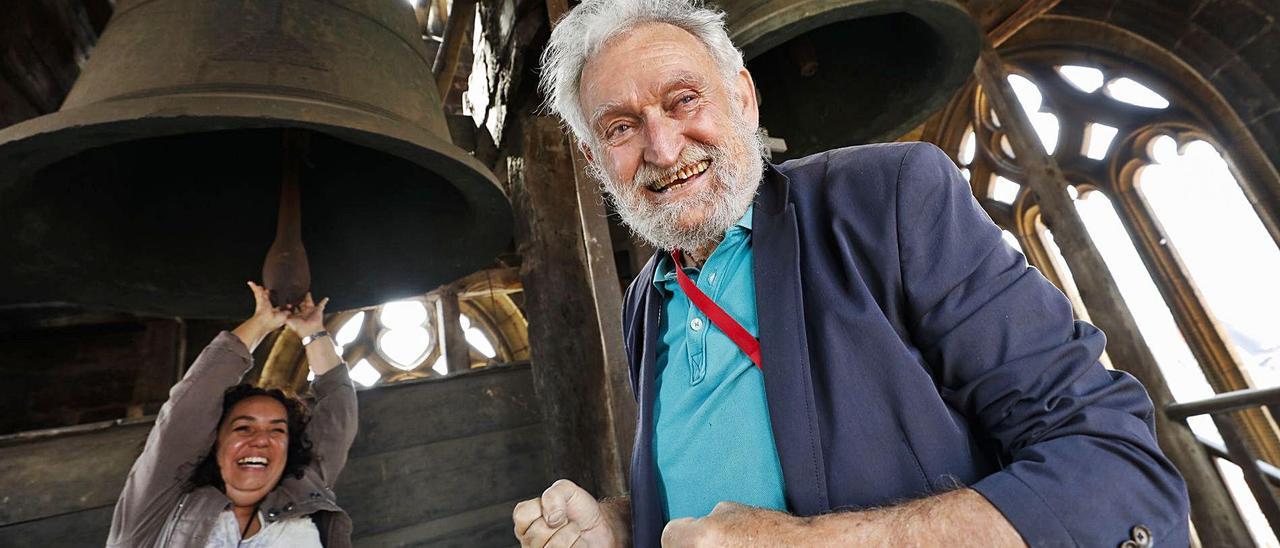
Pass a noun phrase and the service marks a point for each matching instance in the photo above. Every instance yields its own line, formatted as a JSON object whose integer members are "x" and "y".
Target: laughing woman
{"x": 231, "y": 464}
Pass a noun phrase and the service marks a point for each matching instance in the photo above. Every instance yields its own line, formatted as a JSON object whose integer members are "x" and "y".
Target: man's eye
{"x": 684, "y": 100}
{"x": 618, "y": 129}
{"x": 279, "y": 431}
{"x": 240, "y": 429}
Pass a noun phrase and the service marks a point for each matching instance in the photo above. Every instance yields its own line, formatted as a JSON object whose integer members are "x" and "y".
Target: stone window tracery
{"x": 400, "y": 340}
{"x": 1161, "y": 199}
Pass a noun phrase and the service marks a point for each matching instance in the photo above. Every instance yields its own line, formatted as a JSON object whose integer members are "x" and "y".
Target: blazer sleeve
{"x": 1081, "y": 464}
{"x": 183, "y": 434}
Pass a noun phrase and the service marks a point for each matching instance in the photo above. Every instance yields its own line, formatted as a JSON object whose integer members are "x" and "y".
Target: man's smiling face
{"x": 674, "y": 142}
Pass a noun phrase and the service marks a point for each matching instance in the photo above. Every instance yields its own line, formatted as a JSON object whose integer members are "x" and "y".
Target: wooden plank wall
{"x": 438, "y": 462}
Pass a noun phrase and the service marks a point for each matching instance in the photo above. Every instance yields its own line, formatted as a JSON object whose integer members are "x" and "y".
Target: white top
{"x": 292, "y": 533}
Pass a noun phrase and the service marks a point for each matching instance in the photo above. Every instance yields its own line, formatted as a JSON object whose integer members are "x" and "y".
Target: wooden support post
{"x": 455, "y": 34}
{"x": 570, "y": 364}
{"x": 454, "y": 346}
{"x": 439, "y": 14}
{"x": 604, "y": 288}
{"x": 608, "y": 299}
{"x": 1027, "y": 13}
{"x": 1217, "y": 521}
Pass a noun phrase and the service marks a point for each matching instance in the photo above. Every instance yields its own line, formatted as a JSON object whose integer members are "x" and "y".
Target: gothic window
{"x": 1162, "y": 200}
{"x": 400, "y": 340}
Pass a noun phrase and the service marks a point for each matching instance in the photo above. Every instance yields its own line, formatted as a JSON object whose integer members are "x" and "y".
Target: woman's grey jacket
{"x": 158, "y": 507}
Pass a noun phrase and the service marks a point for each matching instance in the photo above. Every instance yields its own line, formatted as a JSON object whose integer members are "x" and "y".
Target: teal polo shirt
{"x": 712, "y": 439}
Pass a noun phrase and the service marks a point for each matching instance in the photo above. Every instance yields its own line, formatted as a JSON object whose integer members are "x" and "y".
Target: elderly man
{"x": 837, "y": 350}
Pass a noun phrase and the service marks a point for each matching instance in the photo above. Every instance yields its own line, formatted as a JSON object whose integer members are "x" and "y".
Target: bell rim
{"x": 775, "y": 26}
{"x": 39, "y": 142}
{"x": 199, "y": 113}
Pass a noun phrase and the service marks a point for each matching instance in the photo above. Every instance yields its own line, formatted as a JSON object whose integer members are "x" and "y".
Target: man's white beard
{"x": 736, "y": 170}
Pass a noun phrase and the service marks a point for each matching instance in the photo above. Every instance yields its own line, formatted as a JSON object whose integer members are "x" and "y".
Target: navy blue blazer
{"x": 907, "y": 350}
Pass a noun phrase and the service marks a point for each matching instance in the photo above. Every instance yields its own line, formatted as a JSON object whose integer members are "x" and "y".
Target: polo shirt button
{"x": 695, "y": 324}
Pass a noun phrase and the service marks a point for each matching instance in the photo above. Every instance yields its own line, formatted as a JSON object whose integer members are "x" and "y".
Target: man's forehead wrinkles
{"x": 663, "y": 86}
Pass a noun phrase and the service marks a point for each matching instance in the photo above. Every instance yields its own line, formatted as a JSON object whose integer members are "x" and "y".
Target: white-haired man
{"x": 838, "y": 350}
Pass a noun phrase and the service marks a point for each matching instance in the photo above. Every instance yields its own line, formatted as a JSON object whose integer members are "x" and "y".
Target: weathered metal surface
{"x": 155, "y": 187}
{"x": 834, "y": 73}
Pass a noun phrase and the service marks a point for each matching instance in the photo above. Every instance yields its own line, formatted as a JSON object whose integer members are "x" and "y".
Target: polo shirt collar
{"x": 663, "y": 271}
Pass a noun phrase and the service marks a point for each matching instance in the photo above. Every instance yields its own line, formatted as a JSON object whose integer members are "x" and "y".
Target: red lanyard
{"x": 729, "y": 326}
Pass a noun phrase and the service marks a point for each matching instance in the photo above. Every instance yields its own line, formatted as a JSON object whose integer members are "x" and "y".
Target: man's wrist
{"x": 617, "y": 515}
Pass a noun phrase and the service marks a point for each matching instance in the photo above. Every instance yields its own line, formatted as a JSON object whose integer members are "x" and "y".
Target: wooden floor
{"x": 438, "y": 462}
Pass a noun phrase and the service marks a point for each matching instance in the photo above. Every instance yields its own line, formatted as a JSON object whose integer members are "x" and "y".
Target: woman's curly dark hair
{"x": 299, "y": 454}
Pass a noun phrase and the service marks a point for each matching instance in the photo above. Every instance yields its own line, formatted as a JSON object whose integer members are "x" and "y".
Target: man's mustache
{"x": 648, "y": 174}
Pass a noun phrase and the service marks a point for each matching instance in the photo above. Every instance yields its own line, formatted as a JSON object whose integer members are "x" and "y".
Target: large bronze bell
{"x": 834, "y": 73}
{"x": 156, "y": 187}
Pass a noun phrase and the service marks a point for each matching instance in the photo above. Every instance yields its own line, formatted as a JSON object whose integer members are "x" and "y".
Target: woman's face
{"x": 253, "y": 443}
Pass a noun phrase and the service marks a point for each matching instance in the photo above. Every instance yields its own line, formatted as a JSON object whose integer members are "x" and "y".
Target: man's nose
{"x": 665, "y": 141}
{"x": 260, "y": 439}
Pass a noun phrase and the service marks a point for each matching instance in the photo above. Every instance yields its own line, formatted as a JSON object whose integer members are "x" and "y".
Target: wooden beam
{"x": 454, "y": 346}
{"x": 1027, "y": 13}
{"x": 455, "y": 35}
{"x": 605, "y": 290}
{"x": 439, "y": 14}
{"x": 1217, "y": 521}
{"x": 570, "y": 363}
{"x": 607, "y": 294}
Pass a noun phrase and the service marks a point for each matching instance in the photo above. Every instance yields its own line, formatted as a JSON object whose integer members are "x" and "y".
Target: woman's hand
{"x": 263, "y": 313}
{"x": 308, "y": 318}
{"x": 266, "y": 318}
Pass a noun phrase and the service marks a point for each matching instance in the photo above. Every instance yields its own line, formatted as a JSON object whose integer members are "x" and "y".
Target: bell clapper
{"x": 285, "y": 270}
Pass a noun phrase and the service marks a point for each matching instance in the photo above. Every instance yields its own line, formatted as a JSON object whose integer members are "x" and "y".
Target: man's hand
{"x": 567, "y": 515}
{"x": 731, "y": 524}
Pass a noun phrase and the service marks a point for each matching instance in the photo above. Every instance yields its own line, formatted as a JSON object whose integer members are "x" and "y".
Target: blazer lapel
{"x": 783, "y": 346}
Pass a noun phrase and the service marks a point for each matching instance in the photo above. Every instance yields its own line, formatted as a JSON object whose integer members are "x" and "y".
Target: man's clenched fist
{"x": 567, "y": 515}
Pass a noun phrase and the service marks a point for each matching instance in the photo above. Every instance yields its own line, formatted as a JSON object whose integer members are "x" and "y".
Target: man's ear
{"x": 586, "y": 152}
{"x": 748, "y": 102}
